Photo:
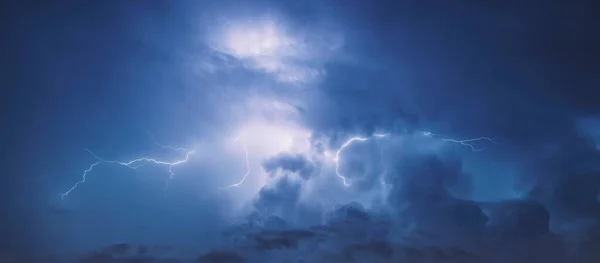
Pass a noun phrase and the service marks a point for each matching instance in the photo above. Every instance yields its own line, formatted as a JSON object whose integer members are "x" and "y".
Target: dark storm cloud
{"x": 517, "y": 219}
{"x": 219, "y": 256}
{"x": 281, "y": 198}
{"x": 286, "y": 239}
{"x": 509, "y": 72}
{"x": 382, "y": 249}
{"x": 422, "y": 198}
{"x": 125, "y": 253}
{"x": 465, "y": 66}
{"x": 350, "y": 212}
{"x": 522, "y": 73}
{"x": 496, "y": 82}
{"x": 351, "y": 222}
{"x": 567, "y": 180}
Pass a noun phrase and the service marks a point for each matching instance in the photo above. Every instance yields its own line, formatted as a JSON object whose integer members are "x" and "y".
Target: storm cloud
{"x": 269, "y": 95}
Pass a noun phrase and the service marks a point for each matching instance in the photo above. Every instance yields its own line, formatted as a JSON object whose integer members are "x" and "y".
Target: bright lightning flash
{"x": 247, "y": 164}
{"x": 346, "y": 144}
{"x": 137, "y": 163}
{"x": 170, "y": 147}
{"x": 83, "y": 179}
{"x": 270, "y": 139}
{"x": 465, "y": 142}
{"x": 133, "y": 164}
{"x": 170, "y": 171}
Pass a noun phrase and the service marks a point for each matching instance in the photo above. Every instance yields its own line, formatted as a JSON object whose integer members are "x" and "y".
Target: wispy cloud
{"x": 269, "y": 45}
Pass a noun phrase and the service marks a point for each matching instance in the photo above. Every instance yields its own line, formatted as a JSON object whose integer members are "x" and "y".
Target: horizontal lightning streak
{"x": 171, "y": 147}
{"x": 171, "y": 174}
{"x": 466, "y": 142}
{"x": 139, "y": 162}
{"x": 165, "y": 146}
{"x": 133, "y": 164}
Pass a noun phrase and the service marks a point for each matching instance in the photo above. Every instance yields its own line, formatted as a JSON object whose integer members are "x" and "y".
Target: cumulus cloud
{"x": 279, "y": 199}
{"x": 289, "y": 163}
{"x": 422, "y": 198}
{"x": 517, "y": 219}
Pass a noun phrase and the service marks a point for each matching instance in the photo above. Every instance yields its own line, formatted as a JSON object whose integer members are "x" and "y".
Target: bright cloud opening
{"x": 270, "y": 46}
{"x": 269, "y": 138}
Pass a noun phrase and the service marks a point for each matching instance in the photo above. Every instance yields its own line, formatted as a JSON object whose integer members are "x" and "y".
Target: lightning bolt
{"x": 336, "y": 159}
{"x": 247, "y": 164}
{"x": 171, "y": 174}
{"x": 132, "y": 164}
{"x": 139, "y": 162}
{"x": 165, "y": 146}
{"x": 170, "y": 147}
{"x": 83, "y": 178}
{"x": 466, "y": 142}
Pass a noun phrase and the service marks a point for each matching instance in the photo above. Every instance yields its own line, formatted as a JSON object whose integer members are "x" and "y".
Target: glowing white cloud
{"x": 266, "y": 138}
{"x": 269, "y": 46}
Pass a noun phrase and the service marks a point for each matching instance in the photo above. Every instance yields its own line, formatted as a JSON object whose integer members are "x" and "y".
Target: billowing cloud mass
{"x": 369, "y": 131}
{"x": 289, "y": 163}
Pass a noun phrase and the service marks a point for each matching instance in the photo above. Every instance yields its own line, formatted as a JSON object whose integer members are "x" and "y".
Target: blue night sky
{"x": 300, "y": 131}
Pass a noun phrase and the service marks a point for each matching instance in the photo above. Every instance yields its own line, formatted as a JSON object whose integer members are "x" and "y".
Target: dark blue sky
{"x": 295, "y": 80}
